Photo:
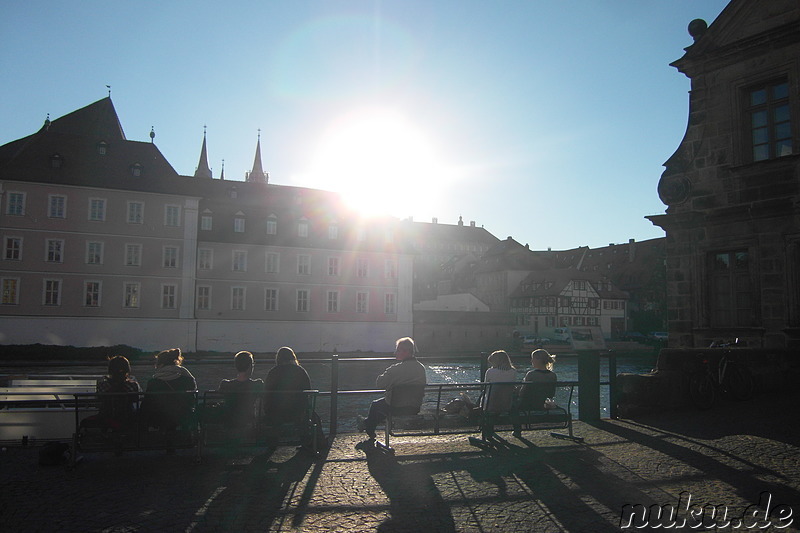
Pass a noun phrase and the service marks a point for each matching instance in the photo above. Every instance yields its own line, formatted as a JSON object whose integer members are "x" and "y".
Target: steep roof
{"x": 203, "y": 170}
{"x": 88, "y": 147}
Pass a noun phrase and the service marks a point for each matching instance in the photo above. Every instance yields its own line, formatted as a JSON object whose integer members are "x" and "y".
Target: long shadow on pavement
{"x": 415, "y": 502}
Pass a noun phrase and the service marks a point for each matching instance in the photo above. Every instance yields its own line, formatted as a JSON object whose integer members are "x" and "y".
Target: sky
{"x": 544, "y": 120}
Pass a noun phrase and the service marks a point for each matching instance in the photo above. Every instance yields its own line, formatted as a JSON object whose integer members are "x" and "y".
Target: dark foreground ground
{"x": 732, "y": 457}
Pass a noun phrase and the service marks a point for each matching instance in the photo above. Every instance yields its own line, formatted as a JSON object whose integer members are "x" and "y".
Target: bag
{"x": 54, "y": 454}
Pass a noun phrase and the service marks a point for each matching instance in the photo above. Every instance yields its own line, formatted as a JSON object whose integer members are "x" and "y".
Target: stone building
{"x": 732, "y": 188}
{"x": 105, "y": 243}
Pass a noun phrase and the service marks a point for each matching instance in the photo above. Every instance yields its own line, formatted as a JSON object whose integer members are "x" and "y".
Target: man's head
{"x": 404, "y": 348}
{"x": 244, "y": 362}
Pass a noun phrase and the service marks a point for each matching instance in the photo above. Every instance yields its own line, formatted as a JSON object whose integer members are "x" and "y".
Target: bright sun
{"x": 380, "y": 163}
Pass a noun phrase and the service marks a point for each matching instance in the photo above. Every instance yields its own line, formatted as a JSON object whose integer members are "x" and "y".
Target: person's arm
{"x": 385, "y": 380}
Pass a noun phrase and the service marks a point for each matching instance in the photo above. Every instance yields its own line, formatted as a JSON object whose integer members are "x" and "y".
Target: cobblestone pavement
{"x": 731, "y": 457}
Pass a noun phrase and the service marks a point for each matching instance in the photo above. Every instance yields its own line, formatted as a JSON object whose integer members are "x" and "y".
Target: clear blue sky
{"x": 545, "y": 120}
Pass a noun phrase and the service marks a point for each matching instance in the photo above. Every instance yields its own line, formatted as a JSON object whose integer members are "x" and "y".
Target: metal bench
{"x": 433, "y": 420}
{"x": 29, "y": 413}
{"x": 93, "y": 435}
{"x": 247, "y": 425}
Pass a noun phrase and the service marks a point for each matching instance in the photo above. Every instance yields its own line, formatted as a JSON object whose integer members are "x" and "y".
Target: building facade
{"x": 105, "y": 243}
{"x": 732, "y": 188}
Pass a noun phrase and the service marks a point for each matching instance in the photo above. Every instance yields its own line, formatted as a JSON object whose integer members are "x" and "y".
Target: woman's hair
{"x": 545, "y": 357}
{"x": 500, "y": 359}
{"x": 119, "y": 368}
{"x": 172, "y": 356}
{"x": 243, "y": 361}
{"x": 286, "y": 356}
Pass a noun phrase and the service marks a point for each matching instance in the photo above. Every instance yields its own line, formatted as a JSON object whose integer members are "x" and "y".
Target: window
{"x": 302, "y": 228}
{"x": 97, "y": 209}
{"x": 130, "y": 293}
{"x": 362, "y": 300}
{"x": 272, "y": 262}
{"x": 333, "y": 231}
{"x": 203, "y": 297}
{"x": 172, "y": 215}
{"x": 205, "y": 259}
{"x": 731, "y": 298}
{"x": 170, "y": 257}
{"x": 272, "y": 225}
{"x": 304, "y": 265}
{"x": 333, "y": 301}
{"x": 168, "y": 299}
{"x": 390, "y": 270}
{"x": 102, "y": 148}
{"x": 55, "y": 251}
{"x": 238, "y": 224}
{"x": 56, "y": 206}
{"x": 133, "y": 255}
{"x": 579, "y": 285}
{"x": 13, "y": 249}
{"x": 270, "y": 299}
{"x": 361, "y": 234}
{"x": 135, "y": 212}
{"x": 10, "y": 286}
{"x": 91, "y": 293}
{"x": 302, "y": 301}
{"x": 362, "y": 268}
{"x": 52, "y": 292}
{"x": 136, "y": 170}
{"x": 16, "y": 204}
{"x": 94, "y": 253}
{"x": 206, "y": 222}
{"x": 390, "y": 303}
{"x": 770, "y": 120}
{"x": 237, "y": 298}
{"x": 333, "y": 266}
{"x": 239, "y": 261}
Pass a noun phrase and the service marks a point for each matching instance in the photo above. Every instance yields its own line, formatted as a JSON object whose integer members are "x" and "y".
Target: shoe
{"x": 366, "y": 444}
{"x": 361, "y": 423}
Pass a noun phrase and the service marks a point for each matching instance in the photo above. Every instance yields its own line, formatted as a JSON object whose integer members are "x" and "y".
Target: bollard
{"x": 589, "y": 385}
{"x": 334, "y": 393}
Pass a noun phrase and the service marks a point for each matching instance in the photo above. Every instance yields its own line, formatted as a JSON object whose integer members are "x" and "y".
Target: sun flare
{"x": 379, "y": 161}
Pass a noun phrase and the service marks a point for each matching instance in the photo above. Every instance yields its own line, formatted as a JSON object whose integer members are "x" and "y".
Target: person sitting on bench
{"x": 404, "y": 383}
{"x": 539, "y": 397}
{"x": 167, "y": 411}
{"x": 242, "y": 392}
{"x": 116, "y": 411}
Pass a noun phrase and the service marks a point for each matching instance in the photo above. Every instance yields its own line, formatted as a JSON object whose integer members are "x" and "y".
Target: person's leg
{"x": 377, "y": 414}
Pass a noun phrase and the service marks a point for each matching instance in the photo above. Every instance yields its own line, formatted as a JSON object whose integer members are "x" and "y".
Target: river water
{"x": 353, "y": 375}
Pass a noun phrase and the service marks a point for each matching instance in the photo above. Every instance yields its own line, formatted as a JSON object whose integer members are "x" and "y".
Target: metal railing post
{"x": 334, "y": 394}
{"x": 484, "y": 364}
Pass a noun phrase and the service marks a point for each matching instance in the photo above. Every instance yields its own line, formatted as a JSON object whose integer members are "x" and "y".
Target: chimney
{"x": 471, "y": 223}
{"x": 434, "y": 220}
{"x": 631, "y": 250}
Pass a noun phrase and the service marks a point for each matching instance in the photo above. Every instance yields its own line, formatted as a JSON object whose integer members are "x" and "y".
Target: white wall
{"x": 211, "y": 335}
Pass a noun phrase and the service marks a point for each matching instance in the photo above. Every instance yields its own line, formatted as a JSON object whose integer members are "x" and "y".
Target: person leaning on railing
{"x": 404, "y": 383}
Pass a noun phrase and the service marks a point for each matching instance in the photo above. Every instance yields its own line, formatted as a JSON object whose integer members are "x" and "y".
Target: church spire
{"x": 257, "y": 174}
{"x": 203, "y": 171}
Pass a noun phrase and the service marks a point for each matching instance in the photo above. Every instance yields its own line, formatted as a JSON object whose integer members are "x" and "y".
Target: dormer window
{"x": 102, "y": 148}
{"x": 56, "y": 160}
{"x": 233, "y": 192}
{"x": 238, "y": 222}
{"x": 136, "y": 170}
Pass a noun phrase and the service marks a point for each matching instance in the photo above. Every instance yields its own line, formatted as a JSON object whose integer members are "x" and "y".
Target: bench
{"x": 30, "y": 413}
{"x": 93, "y": 435}
{"x": 237, "y": 419}
{"x": 434, "y": 420}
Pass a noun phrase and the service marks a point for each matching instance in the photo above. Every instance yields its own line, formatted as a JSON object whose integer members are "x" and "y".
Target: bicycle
{"x": 730, "y": 376}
